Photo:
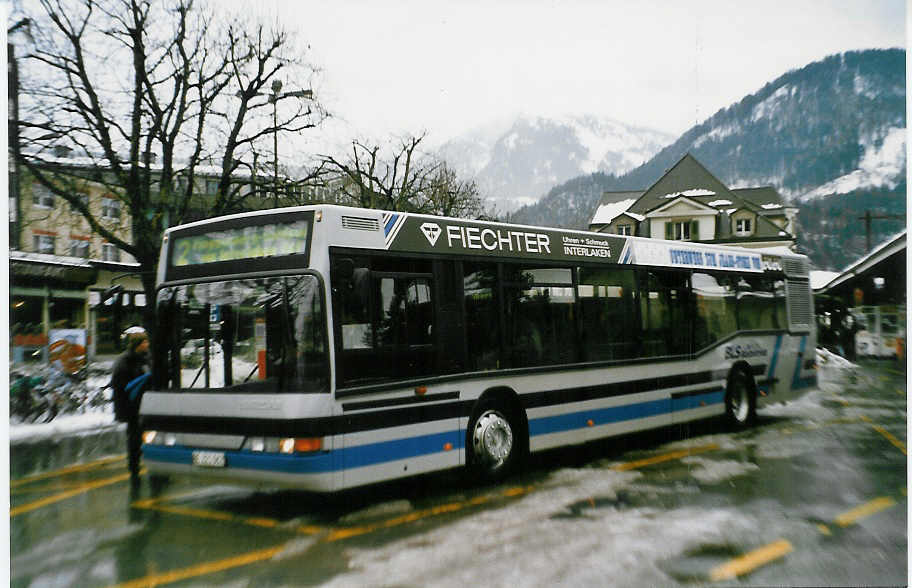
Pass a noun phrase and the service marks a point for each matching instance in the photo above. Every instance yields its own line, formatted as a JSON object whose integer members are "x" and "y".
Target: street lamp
{"x": 274, "y": 98}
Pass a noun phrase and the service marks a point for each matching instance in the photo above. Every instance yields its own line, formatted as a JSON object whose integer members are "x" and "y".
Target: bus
{"x": 327, "y": 347}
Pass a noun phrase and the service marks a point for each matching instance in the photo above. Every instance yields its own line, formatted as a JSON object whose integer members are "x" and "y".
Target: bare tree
{"x": 116, "y": 81}
{"x": 449, "y": 195}
{"x": 406, "y": 180}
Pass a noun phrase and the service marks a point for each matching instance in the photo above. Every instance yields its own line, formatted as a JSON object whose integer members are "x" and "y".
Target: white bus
{"x": 326, "y": 347}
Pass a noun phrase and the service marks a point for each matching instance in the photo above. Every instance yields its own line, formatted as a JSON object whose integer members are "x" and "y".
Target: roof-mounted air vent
{"x": 360, "y": 223}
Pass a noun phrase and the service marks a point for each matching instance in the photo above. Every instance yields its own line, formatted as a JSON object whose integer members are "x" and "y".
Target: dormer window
{"x": 743, "y": 227}
{"x": 682, "y": 230}
{"x": 625, "y": 229}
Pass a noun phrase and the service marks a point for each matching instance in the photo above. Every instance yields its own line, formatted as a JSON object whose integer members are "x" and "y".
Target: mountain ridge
{"x": 517, "y": 161}
{"x": 824, "y": 136}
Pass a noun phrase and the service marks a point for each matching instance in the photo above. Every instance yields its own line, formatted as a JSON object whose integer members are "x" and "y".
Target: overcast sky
{"x": 449, "y": 66}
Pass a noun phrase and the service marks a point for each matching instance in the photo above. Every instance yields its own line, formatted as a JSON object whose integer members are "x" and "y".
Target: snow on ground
{"x": 550, "y": 537}
{"x": 67, "y": 425}
{"x": 81, "y": 420}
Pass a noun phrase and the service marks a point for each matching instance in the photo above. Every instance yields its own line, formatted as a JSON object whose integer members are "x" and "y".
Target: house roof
{"x": 889, "y": 247}
{"x": 766, "y": 199}
{"x": 610, "y": 211}
{"x": 689, "y": 181}
{"x": 614, "y": 204}
{"x": 688, "y": 178}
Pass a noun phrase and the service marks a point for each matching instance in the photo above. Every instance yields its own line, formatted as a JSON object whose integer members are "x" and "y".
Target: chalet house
{"x": 688, "y": 203}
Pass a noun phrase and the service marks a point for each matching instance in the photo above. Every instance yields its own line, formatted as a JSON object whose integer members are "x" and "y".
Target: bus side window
{"x": 482, "y": 320}
{"x": 757, "y": 304}
{"x": 607, "y": 303}
{"x": 715, "y": 299}
{"x": 666, "y": 314}
{"x": 354, "y": 299}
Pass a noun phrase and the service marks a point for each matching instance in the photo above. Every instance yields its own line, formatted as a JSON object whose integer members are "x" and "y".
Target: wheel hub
{"x": 740, "y": 404}
{"x": 492, "y": 439}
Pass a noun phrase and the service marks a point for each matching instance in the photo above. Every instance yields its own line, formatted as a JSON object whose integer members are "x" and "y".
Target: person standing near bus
{"x": 130, "y": 365}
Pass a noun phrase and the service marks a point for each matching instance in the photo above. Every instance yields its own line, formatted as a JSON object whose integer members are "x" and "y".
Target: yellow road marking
{"x": 185, "y": 510}
{"x": 751, "y": 561}
{"x": 348, "y": 532}
{"x": 68, "y": 494}
{"x": 867, "y": 509}
{"x": 66, "y": 470}
{"x": 204, "y": 568}
{"x": 824, "y": 529}
{"x": 896, "y": 442}
{"x": 633, "y": 465}
{"x": 44, "y": 488}
{"x": 310, "y": 530}
{"x": 154, "y": 504}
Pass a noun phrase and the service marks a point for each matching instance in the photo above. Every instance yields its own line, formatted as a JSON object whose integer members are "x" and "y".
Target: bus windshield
{"x": 253, "y": 335}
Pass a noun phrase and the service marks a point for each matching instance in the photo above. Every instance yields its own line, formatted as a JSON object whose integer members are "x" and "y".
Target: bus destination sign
{"x": 241, "y": 243}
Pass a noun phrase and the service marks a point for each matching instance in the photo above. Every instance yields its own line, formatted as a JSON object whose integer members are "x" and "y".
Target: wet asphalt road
{"x": 815, "y": 494}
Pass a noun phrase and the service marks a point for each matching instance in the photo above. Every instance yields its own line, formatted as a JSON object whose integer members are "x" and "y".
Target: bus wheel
{"x": 493, "y": 440}
{"x": 740, "y": 400}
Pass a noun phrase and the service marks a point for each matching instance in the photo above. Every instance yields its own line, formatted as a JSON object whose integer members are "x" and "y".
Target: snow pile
{"x": 831, "y": 368}
{"x": 828, "y": 359}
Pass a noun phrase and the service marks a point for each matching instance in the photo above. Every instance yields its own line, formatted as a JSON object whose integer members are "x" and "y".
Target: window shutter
{"x": 669, "y": 231}
{"x": 694, "y": 230}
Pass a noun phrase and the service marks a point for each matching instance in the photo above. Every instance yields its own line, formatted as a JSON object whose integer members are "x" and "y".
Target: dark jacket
{"x": 128, "y": 366}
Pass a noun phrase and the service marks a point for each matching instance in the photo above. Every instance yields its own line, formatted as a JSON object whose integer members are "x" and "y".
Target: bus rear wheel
{"x": 493, "y": 442}
{"x": 740, "y": 400}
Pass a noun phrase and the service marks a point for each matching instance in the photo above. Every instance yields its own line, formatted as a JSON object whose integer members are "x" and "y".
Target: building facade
{"x": 60, "y": 269}
{"x": 688, "y": 203}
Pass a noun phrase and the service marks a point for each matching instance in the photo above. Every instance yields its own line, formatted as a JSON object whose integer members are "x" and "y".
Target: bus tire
{"x": 494, "y": 442}
{"x": 740, "y": 400}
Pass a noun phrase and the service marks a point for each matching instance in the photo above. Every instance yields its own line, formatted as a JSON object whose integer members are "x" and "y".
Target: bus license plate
{"x": 209, "y": 459}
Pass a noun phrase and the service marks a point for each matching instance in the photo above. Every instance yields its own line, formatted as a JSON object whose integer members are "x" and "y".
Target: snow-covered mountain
{"x": 515, "y": 162}
{"x": 830, "y": 137}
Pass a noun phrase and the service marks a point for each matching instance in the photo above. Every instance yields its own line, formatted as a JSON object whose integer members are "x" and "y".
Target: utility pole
{"x": 868, "y": 217}
{"x": 274, "y": 98}
{"x": 15, "y": 212}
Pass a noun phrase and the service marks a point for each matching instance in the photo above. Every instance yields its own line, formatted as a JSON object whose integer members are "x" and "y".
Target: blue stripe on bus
{"x": 615, "y": 414}
{"x": 389, "y": 224}
{"x": 699, "y": 401}
{"x": 411, "y": 447}
{"x": 798, "y": 382}
{"x": 374, "y": 453}
{"x": 772, "y": 368}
